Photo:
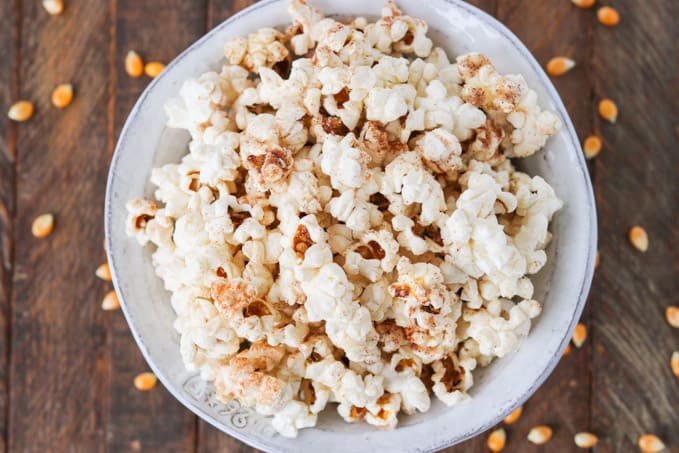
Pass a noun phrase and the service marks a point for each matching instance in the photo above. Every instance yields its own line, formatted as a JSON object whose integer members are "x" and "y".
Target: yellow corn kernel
{"x": 592, "y": 146}
{"x": 585, "y": 440}
{"x": 650, "y": 443}
{"x": 20, "y": 111}
{"x": 674, "y": 363}
{"x": 496, "y": 441}
{"x": 62, "y": 95}
{"x": 110, "y": 301}
{"x": 42, "y": 225}
{"x": 540, "y": 434}
{"x": 608, "y": 110}
{"x": 608, "y": 16}
{"x": 672, "y": 316}
{"x": 104, "y": 272}
{"x": 567, "y": 350}
{"x": 580, "y": 335}
{"x": 558, "y": 66}
{"x": 153, "y": 68}
{"x": 639, "y": 238}
{"x": 584, "y": 3}
{"x": 514, "y": 416}
{"x": 53, "y": 7}
{"x": 134, "y": 66}
{"x": 145, "y": 381}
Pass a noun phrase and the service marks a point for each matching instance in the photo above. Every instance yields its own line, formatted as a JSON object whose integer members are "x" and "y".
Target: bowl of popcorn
{"x": 350, "y": 226}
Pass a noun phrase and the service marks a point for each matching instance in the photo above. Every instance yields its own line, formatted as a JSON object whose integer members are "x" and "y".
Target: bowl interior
{"x": 561, "y": 286}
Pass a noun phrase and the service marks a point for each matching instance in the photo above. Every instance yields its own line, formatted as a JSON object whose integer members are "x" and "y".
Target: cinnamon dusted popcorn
{"x": 347, "y": 225}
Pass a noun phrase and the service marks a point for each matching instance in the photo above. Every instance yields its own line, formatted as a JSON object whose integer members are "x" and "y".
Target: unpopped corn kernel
{"x": 62, "y": 95}
{"x": 650, "y": 443}
{"x": 639, "y": 238}
{"x": 558, "y": 66}
{"x": 134, "y": 66}
{"x": 514, "y": 415}
{"x": 42, "y": 225}
{"x": 110, "y": 302}
{"x": 20, "y": 111}
{"x": 496, "y": 440}
{"x": 540, "y": 435}
{"x": 585, "y": 440}
{"x": 608, "y": 16}
{"x": 145, "y": 381}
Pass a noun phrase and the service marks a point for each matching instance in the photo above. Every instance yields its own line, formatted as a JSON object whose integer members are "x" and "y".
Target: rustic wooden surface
{"x": 66, "y": 367}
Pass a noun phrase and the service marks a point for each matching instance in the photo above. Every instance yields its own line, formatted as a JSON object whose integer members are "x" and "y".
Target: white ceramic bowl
{"x": 562, "y": 286}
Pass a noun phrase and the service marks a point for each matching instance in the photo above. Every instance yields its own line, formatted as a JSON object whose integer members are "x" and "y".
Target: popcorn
{"x": 347, "y": 225}
{"x": 263, "y": 48}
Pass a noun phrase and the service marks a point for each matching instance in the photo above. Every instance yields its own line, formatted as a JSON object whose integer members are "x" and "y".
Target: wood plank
{"x": 9, "y": 84}
{"x": 220, "y": 10}
{"x": 152, "y": 421}
{"x": 58, "y": 366}
{"x": 635, "y": 64}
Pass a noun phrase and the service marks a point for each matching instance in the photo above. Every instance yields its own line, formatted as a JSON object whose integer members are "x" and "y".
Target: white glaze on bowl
{"x": 562, "y": 286}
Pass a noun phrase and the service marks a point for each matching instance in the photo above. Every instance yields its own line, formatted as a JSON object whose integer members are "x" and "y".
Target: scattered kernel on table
{"x": 111, "y": 301}
{"x": 674, "y": 363}
{"x": 62, "y": 95}
{"x": 558, "y": 66}
{"x": 672, "y": 316}
{"x": 584, "y": 3}
{"x": 134, "y": 66}
{"x": 104, "y": 272}
{"x": 585, "y": 440}
{"x": 514, "y": 416}
{"x": 608, "y": 110}
{"x": 650, "y": 443}
{"x": 592, "y": 146}
{"x": 43, "y": 225}
{"x": 639, "y": 238}
{"x": 20, "y": 111}
{"x": 153, "y": 68}
{"x": 145, "y": 381}
{"x": 580, "y": 335}
{"x": 567, "y": 350}
{"x": 608, "y": 16}
{"x": 496, "y": 440}
{"x": 540, "y": 434}
{"x": 53, "y": 7}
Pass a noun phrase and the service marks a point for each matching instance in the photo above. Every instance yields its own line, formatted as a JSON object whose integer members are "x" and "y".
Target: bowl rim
{"x": 512, "y": 39}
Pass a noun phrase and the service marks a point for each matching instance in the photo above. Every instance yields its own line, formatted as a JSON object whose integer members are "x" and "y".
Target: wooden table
{"x": 66, "y": 366}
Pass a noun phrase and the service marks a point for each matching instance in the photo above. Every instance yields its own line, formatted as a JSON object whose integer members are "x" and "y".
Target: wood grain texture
{"x": 154, "y": 421}
{"x": 58, "y": 366}
{"x": 9, "y": 84}
{"x": 636, "y": 64}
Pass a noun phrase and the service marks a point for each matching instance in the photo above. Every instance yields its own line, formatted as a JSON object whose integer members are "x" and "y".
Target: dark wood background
{"x": 66, "y": 366}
